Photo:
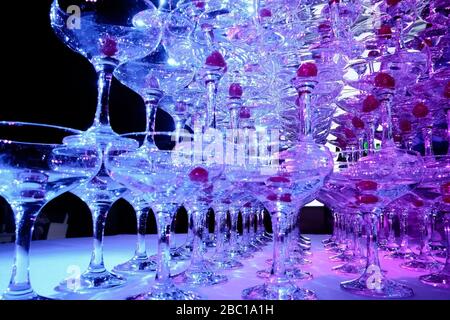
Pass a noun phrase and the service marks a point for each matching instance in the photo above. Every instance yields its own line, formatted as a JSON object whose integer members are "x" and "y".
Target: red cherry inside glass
{"x": 384, "y": 80}
{"x": 366, "y": 199}
{"x": 235, "y": 90}
{"x": 215, "y": 59}
{"x": 385, "y": 31}
{"x": 199, "y": 175}
{"x": 357, "y": 123}
{"x": 108, "y": 47}
{"x": 420, "y": 110}
{"x": 308, "y": 69}
{"x": 367, "y": 185}
{"x": 392, "y": 2}
{"x": 370, "y": 103}
{"x": 405, "y": 125}
{"x": 265, "y": 13}
{"x": 244, "y": 113}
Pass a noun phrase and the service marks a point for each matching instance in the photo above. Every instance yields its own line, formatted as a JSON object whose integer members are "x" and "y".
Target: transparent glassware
{"x": 281, "y": 189}
{"x": 441, "y": 279}
{"x": 140, "y": 262}
{"x": 371, "y": 182}
{"x": 37, "y": 166}
{"x": 107, "y": 34}
{"x": 157, "y": 170}
{"x": 206, "y": 169}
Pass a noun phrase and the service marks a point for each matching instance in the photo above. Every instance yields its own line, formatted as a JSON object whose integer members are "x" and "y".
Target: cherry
{"x": 405, "y": 125}
{"x": 244, "y": 113}
{"x": 446, "y": 198}
{"x": 357, "y": 123}
{"x": 349, "y": 134}
{"x": 279, "y": 179}
{"x": 420, "y": 110}
{"x": 265, "y": 13}
{"x": 108, "y": 46}
{"x": 215, "y": 59}
{"x": 308, "y": 69}
{"x": 445, "y": 188}
{"x": 199, "y": 4}
{"x": 366, "y": 199}
{"x": 286, "y": 197}
{"x": 333, "y": 1}
{"x": 370, "y": 103}
{"x": 384, "y": 80}
{"x": 367, "y": 185}
{"x": 385, "y": 31}
{"x": 341, "y": 143}
{"x": 447, "y": 90}
{"x": 235, "y": 90}
{"x": 199, "y": 174}
{"x": 272, "y": 197}
{"x": 373, "y": 54}
{"x": 247, "y": 205}
{"x": 392, "y": 2}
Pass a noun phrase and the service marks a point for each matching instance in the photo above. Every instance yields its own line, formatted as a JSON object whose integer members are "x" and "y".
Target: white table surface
{"x": 50, "y": 260}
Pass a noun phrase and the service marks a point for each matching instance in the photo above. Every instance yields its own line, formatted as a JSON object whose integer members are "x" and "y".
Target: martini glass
{"x": 35, "y": 167}
{"x": 107, "y": 34}
{"x": 371, "y": 182}
{"x": 207, "y": 168}
{"x": 441, "y": 279}
{"x": 157, "y": 170}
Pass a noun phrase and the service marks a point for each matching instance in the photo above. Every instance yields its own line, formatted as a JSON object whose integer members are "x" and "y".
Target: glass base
{"x": 287, "y": 291}
{"x": 167, "y": 291}
{"x": 401, "y": 255}
{"x": 200, "y": 273}
{"x": 239, "y": 254}
{"x": 180, "y": 254}
{"x": 351, "y": 267}
{"x": 342, "y": 257}
{"x": 201, "y": 278}
{"x": 377, "y": 286}
{"x": 92, "y": 281}
{"x": 439, "y": 280}
{"x": 136, "y": 265}
{"x": 225, "y": 263}
{"x": 299, "y": 261}
{"x": 292, "y": 274}
{"x": 421, "y": 265}
{"x": 22, "y": 295}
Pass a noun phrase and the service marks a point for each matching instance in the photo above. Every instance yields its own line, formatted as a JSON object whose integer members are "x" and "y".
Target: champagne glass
{"x": 107, "y": 33}
{"x": 35, "y": 167}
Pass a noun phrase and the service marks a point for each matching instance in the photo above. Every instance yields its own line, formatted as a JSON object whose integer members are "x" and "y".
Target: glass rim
{"x": 17, "y": 124}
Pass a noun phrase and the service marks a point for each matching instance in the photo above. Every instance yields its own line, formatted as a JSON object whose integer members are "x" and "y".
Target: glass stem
{"x": 220, "y": 229}
{"x": 278, "y": 271}
{"x": 386, "y": 120}
{"x": 141, "y": 220}
{"x": 427, "y": 133}
{"x": 305, "y": 113}
{"x": 198, "y": 216}
{"x": 190, "y": 234}
{"x": 163, "y": 223}
{"x": 446, "y": 269}
{"x": 25, "y": 216}
{"x": 404, "y": 240}
{"x": 371, "y": 221}
{"x": 150, "y": 110}
{"x": 99, "y": 214}
{"x": 211, "y": 89}
{"x": 234, "y": 214}
{"x": 104, "y": 78}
